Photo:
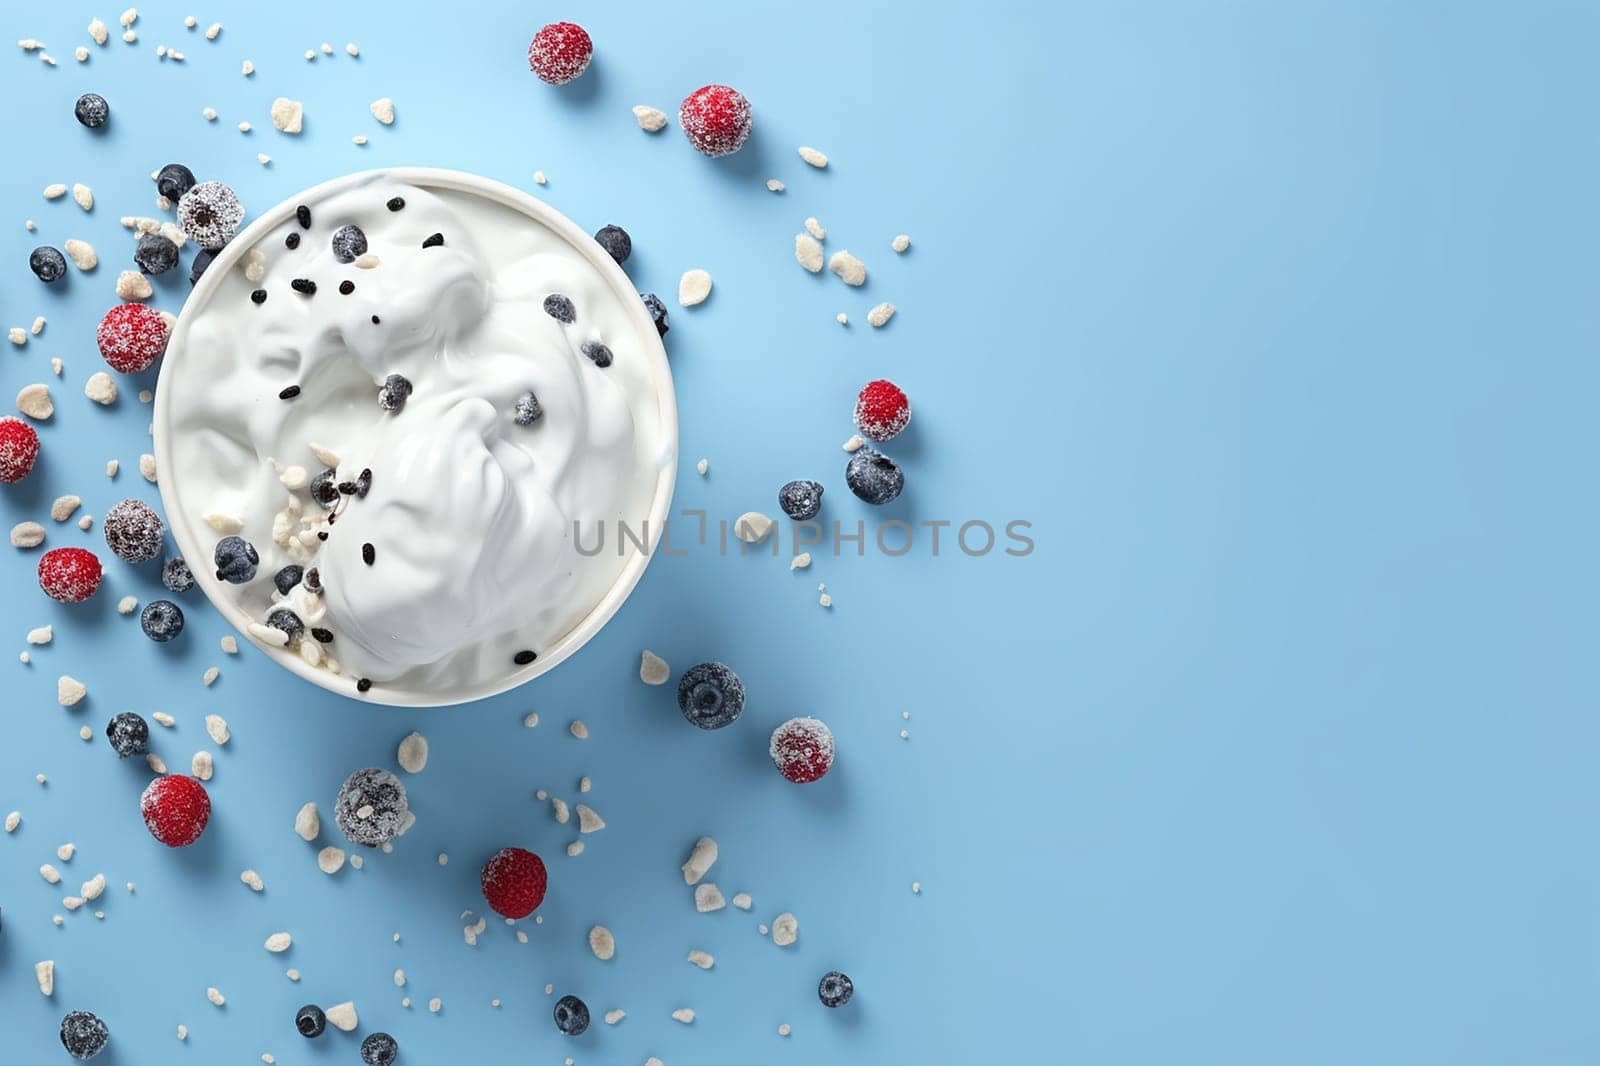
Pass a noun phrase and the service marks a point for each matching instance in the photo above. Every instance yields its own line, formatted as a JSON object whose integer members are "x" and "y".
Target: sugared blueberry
{"x": 526, "y": 410}
{"x": 309, "y": 1021}
{"x": 92, "y": 110}
{"x": 129, "y": 734}
{"x": 83, "y": 1035}
{"x": 210, "y": 213}
{"x": 161, "y": 620}
{"x": 800, "y": 500}
{"x": 349, "y": 243}
{"x": 303, "y": 286}
{"x": 236, "y": 560}
{"x": 616, "y": 242}
{"x": 658, "y": 312}
{"x": 287, "y": 623}
{"x": 173, "y": 180}
{"x": 155, "y": 254}
{"x": 379, "y": 1049}
{"x": 47, "y": 263}
{"x": 288, "y": 577}
{"x": 394, "y": 392}
{"x": 710, "y": 695}
{"x": 302, "y": 215}
{"x": 560, "y": 308}
{"x": 324, "y": 488}
{"x": 873, "y": 476}
{"x": 133, "y": 531}
{"x": 371, "y": 807}
{"x": 572, "y": 1016}
{"x": 176, "y": 575}
{"x": 197, "y": 268}
{"x": 835, "y": 989}
{"x": 598, "y": 353}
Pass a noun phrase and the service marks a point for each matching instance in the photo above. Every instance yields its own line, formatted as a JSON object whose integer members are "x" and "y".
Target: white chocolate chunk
{"x": 27, "y": 535}
{"x": 589, "y": 821}
{"x": 278, "y": 943}
{"x": 101, "y": 388}
{"x": 34, "y": 401}
{"x": 69, "y": 690}
{"x": 45, "y": 974}
{"x": 752, "y": 527}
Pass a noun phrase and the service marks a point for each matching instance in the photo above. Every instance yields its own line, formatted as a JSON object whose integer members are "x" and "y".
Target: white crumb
{"x": 154, "y": 762}
{"x": 217, "y": 998}
{"x": 574, "y": 849}
{"x": 383, "y": 110}
{"x": 66, "y": 851}
{"x": 816, "y": 229}
{"x": 27, "y": 535}
{"x": 854, "y": 443}
{"x": 41, "y": 635}
{"x": 602, "y": 943}
{"x": 244, "y": 127}
{"x": 164, "y": 719}
{"x": 588, "y": 820}
{"x": 900, "y": 243}
{"x": 209, "y": 114}
{"x": 252, "y": 880}
{"x": 807, "y": 252}
{"x": 752, "y": 527}
{"x": 127, "y": 605}
{"x": 650, "y": 119}
{"x": 700, "y": 860}
{"x": 83, "y": 196}
{"x": 343, "y": 1017}
{"x": 539, "y": 178}
{"x": 694, "y": 287}
{"x": 413, "y": 753}
{"x": 229, "y": 644}
{"x": 558, "y": 807}
{"x": 307, "y": 824}
{"x": 247, "y": 68}
{"x": 351, "y": 50}
{"x": 34, "y": 401}
{"x": 399, "y": 978}
{"x": 801, "y": 561}
{"x": 702, "y": 466}
{"x": 213, "y": 30}
{"x": 614, "y": 1016}
{"x": 785, "y": 929}
{"x": 38, "y": 326}
{"x": 530, "y": 719}
{"x": 93, "y": 888}
{"x": 13, "y": 820}
{"x": 653, "y": 669}
{"x": 217, "y": 729}
{"x": 434, "y": 1005}
{"x": 101, "y": 388}
{"x": 684, "y": 1015}
{"x": 288, "y": 116}
{"x": 703, "y": 959}
{"x": 330, "y": 859}
{"x": 278, "y": 943}
{"x": 774, "y": 185}
{"x": 50, "y": 874}
{"x": 81, "y": 54}
{"x": 69, "y": 690}
{"x": 851, "y": 271}
{"x": 133, "y": 286}
{"x": 98, "y": 32}
{"x": 202, "y": 765}
{"x": 578, "y": 729}
{"x": 18, "y": 335}
{"x": 784, "y": 1030}
{"x": 45, "y": 974}
{"x": 55, "y": 192}
{"x": 708, "y": 898}
{"x": 880, "y": 315}
{"x": 813, "y": 157}
{"x": 742, "y": 900}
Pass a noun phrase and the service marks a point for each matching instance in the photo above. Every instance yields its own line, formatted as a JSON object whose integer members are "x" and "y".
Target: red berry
{"x": 882, "y": 410}
{"x": 176, "y": 809}
{"x": 70, "y": 575}
{"x": 513, "y": 882}
{"x": 19, "y": 447}
{"x": 560, "y": 52}
{"x": 716, "y": 119}
{"x": 802, "y": 749}
{"x": 131, "y": 337}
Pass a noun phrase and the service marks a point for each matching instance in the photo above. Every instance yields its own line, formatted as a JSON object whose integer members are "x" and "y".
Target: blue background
{"x": 1276, "y": 321}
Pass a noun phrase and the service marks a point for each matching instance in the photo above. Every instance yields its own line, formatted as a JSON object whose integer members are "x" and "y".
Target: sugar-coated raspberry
{"x": 70, "y": 575}
{"x": 19, "y": 448}
{"x": 176, "y": 809}
{"x": 802, "y": 749}
{"x": 560, "y": 52}
{"x": 133, "y": 531}
{"x": 882, "y": 410}
{"x": 513, "y": 882}
{"x": 716, "y": 119}
{"x": 131, "y": 337}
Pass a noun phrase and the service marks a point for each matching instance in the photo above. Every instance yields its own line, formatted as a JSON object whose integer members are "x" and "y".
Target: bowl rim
{"x": 172, "y": 363}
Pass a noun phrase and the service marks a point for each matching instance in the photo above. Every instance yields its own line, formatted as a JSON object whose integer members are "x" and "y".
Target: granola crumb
{"x": 700, "y": 860}
{"x": 252, "y": 880}
{"x": 774, "y": 185}
{"x": 708, "y": 898}
{"x": 602, "y": 943}
{"x": 816, "y": 229}
{"x": 539, "y": 178}
{"x": 742, "y": 900}
{"x": 574, "y": 849}
{"x": 382, "y": 110}
{"x": 784, "y": 1030}
{"x": 879, "y": 316}
{"x": 702, "y": 467}
{"x": 229, "y": 644}
{"x": 801, "y": 561}
{"x": 330, "y": 859}
{"x": 614, "y": 1016}
{"x": 703, "y": 959}
{"x": 684, "y": 1015}
{"x": 578, "y": 729}
{"x": 209, "y": 678}
{"x": 653, "y": 670}
{"x": 785, "y": 929}
{"x": 854, "y": 444}
{"x": 650, "y": 119}
{"x": 112, "y": 467}
{"x": 901, "y": 244}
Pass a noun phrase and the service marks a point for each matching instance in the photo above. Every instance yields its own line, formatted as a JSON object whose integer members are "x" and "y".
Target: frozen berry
{"x": 882, "y": 410}
{"x": 616, "y": 242}
{"x": 370, "y": 807}
{"x": 288, "y": 578}
{"x": 131, "y": 337}
{"x": 133, "y": 531}
{"x": 801, "y": 749}
{"x": 288, "y": 623}
{"x": 176, "y": 575}
{"x": 236, "y": 560}
{"x": 197, "y": 268}
{"x": 394, "y": 392}
{"x": 560, "y": 308}
{"x": 710, "y": 695}
{"x": 716, "y": 119}
{"x": 873, "y": 476}
{"x": 658, "y": 312}
{"x": 176, "y": 809}
{"x": 324, "y": 488}
{"x": 513, "y": 882}
{"x": 560, "y": 52}
{"x": 526, "y": 410}
{"x": 173, "y": 180}
{"x": 210, "y": 214}
{"x": 379, "y": 1049}
{"x": 83, "y": 1035}
{"x": 47, "y": 263}
{"x": 800, "y": 500}
{"x": 70, "y": 575}
{"x": 349, "y": 244}
{"x": 92, "y": 110}
{"x": 129, "y": 734}
{"x": 309, "y": 1021}
{"x": 572, "y": 1016}
{"x": 155, "y": 254}
{"x": 835, "y": 989}
{"x": 161, "y": 620}
{"x": 19, "y": 449}
{"x": 598, "y": 353}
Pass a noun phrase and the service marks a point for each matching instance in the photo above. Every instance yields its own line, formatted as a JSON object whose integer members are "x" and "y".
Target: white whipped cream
{"x": 471, "y": 517}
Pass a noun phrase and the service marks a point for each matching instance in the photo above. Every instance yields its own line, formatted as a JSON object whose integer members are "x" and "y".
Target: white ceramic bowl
{"x": 180, "y": 367}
